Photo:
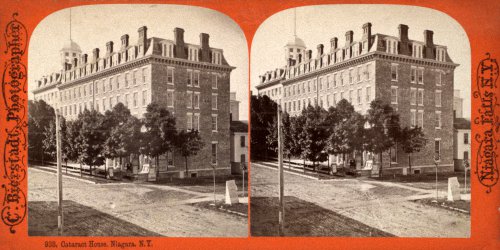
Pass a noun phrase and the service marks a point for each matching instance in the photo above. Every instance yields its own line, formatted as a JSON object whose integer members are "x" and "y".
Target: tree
{"x": 272, "y": 136}
{"x": 383, "y": 130}
{"x": 312, "y": 138}
{"x": 160, "y": 133}
{"x": 91, "y": 138}
{"x": 347, "y": 136}
{"x": 40, "y": 116}
{"x": 188, "y": 144}
{"x": 124, "y": 133}
{"x": 412, "y": 141}
{"x": 70, "y": 133}
{"x": 263, "y": 114}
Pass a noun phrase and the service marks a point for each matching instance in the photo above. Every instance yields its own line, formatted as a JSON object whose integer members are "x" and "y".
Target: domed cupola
{"x": 69, "y": 52}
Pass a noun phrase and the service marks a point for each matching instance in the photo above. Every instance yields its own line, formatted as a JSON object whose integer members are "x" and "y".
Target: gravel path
{"x": 125, "y": 209}
{"x": 381, "y": 205}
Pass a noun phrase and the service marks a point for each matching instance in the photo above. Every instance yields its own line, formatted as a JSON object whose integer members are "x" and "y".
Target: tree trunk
{"x": 409, "y": 162}
{"x": 304, "y": 166}
{"x": 186, "y": 161}
{"x": 105, "y": 169}
{"x": 157, "y": 158}
{"x": 81, "y": 171}
{"x": 380, "y": 164}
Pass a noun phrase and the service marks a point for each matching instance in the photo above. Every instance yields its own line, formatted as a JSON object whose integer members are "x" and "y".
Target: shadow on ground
{"x": 304, "y": 219}
{"x": 79, "y": 220}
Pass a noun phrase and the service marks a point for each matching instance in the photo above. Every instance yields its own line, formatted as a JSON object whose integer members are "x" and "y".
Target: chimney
{"x": 205, "y": 47}
{"x": 95, "y": 54}
{"x": 404, "y": 46}
{"x": 109, "y": 47}
{"x": 309, "y": 55}
{"x": 180, "y": 51}
{"x": 367, "y": 34}
{"x": 428, "y": 38}
{"x": 429, "y": 45}
{"x": 179, "y": 37}
{"x": 124, "y": 39}
{"x": 143, "y": 35}
{"x": 348, "y": 37}
{"x": 403, "y": 33}
{"x": 204, "y": 38}
{"x": 334, "y": 43}
{"x": 84, "y": 58}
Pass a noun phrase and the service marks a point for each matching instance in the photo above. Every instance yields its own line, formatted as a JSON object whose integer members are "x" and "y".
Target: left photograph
{"x": 137, "y": 123}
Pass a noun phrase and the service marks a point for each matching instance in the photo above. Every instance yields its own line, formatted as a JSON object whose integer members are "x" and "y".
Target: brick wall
{"x": 201, "y": 162}
{"x": 425, "y": 158}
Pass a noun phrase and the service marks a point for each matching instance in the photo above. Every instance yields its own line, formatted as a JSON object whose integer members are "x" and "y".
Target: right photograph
{"x": 360, "y": 123}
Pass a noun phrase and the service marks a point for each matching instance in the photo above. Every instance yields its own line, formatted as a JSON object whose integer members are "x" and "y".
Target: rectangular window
{"x": 358, "y": 73}
{"x": 368, "y": 94}
{"x": 215, "y": 81}
{"x": 170, "y": 75}
{"x": 394, "y": 72}
{"x": 110, "y": 83}
{"x": 466, "y": 138}
{"x": 135, "y": 100}
{"x": 394, "y": 95}
{"x": 421, "y": 76}
{"x": 243, "y": 141}
{"x": 144, "y": 75}
{"x": 190, "y": 77}
{"x": 214, "y": 123}
{"x": 196, "y": 122}
{"x": 439, "y": 76}
{"x": 196, "y": 79}
{"x": 214, "y": 101}
{"x": 413, "y": 96}
{"x": 170, "y": 98}
{"x": 134, "y": 77}
{"x": 437, "y": 148}
{"x": 126, "y": 79}
{"x": 367, "y": 72}
{"x": 438, "y": 119}
{"x": 126, "y": 100}
{"x": 350, "y": 76}
{"x": 334, "y": 80}
{"x": 189, "y": 121}
{"x": 359, "y": 96}
{"x": 413, "y": 74}
{"x": 196, "y": 100}
{"x": 103, "y": 105}
{"x": 214, "y": 152}
{"x": 420, "y": 97}
{"x": 438, "y": 98}
{"x": 189, "y": 97}
{"x": 413, "y": 117}
{"x": 350, "y": 96}
{"x": 144, "y": 97}
{"x": 394, "y": 154}
{"x": 420, "y": 118}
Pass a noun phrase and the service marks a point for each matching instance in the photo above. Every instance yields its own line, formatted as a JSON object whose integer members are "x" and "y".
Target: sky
{"x": 93, "y": 26}
{"x": 318, "y": 24}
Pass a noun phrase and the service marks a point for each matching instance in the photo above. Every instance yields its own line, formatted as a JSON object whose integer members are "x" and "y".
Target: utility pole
{"x": 281, "y": 214}
{"x": 436, "y": 159}
{"x": 59, "y": 175}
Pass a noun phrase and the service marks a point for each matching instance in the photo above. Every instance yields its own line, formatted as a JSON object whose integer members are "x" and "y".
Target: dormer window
{"x": 391, "y": 46}
{"x": 417, "y": 50}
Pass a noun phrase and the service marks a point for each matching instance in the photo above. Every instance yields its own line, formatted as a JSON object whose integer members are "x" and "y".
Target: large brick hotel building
{"x": 190, "y": 80}
{"x": 415, "y": 77}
